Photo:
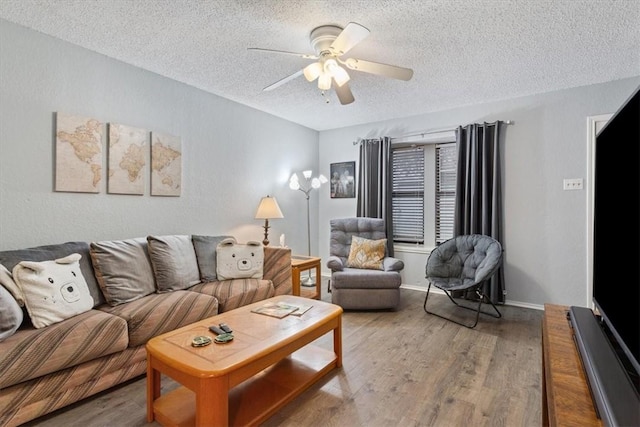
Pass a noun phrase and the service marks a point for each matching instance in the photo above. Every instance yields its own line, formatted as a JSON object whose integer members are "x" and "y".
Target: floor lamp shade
{"x": 268, "y": 209}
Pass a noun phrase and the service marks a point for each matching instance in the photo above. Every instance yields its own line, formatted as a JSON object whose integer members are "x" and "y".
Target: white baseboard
{"x": 507, "y": 302}
{"x": 438, "y": 291}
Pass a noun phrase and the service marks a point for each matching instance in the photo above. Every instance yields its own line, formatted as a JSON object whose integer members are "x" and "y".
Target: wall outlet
{"x": 572, "y": 184}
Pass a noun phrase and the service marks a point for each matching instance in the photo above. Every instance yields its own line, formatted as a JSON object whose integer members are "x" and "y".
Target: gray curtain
{"x": 478, "y": 205}
{"x": 375, "y": 184}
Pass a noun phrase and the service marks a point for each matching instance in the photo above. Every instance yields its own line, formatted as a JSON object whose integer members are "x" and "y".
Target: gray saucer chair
{"x": 356, "y": 288}
{"x": 463, "y": 264}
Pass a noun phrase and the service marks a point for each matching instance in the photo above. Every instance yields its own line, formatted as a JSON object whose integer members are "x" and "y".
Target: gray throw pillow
{"x": 10, "y": 314}
{"x": 174, "y": 262}
{"x": 205, "y": 247}
{"x": 123, "y": 269}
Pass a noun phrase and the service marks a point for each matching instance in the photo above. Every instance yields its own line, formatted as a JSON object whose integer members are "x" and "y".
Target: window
{"x": 408, "y": 195}
{"x": 424, "y": 184}
{"x": 446, "y": 163}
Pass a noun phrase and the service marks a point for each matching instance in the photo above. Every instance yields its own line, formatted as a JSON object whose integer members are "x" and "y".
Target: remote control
{"x": 225, "y": 327}
{"x": 216, "y": 330}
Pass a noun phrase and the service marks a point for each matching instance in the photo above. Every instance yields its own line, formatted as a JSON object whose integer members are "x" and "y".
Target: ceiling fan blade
{"x": 283, "y": 81}
{"x": 284, "y": 52}
{"x": 378, "y": 68}
{"x": 349, "y": 37}
{"x": 344, "y": 94}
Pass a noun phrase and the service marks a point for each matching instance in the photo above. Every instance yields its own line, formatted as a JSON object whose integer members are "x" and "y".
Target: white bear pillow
{"x": 239, "y": 261}
{"x": 53, "y": 290}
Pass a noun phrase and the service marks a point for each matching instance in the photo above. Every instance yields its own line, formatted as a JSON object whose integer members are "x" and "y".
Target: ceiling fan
{"x": 330, "y": 43}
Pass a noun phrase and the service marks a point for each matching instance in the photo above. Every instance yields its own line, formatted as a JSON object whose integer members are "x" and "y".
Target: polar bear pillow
{"x": 53, "y": 290}
{"x": 239, "y": 261}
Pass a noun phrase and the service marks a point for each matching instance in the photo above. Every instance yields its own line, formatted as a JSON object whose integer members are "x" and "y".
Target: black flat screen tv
{"x": 608, "y": 340}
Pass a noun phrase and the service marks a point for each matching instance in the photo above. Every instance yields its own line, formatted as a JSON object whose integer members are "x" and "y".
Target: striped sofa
{"x": 42, "y": 370}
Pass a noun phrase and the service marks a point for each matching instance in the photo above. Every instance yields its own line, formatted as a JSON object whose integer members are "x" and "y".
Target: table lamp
{"x": 268, "y": 209}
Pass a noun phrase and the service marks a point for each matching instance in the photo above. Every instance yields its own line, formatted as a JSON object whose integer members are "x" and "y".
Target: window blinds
{"x": 408, "y": 195}
{"x": 446, "y": 164}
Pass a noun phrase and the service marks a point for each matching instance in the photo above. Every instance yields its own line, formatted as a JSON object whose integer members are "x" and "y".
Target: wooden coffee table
{"x": 247, "y": 380}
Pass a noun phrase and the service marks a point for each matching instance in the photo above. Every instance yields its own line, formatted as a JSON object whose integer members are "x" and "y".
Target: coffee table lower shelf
{"x": 258, "y": 398}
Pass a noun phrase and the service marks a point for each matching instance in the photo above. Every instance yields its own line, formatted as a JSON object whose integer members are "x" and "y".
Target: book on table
{"x": 281, "y": 309}
{"x": 302, "y": 309}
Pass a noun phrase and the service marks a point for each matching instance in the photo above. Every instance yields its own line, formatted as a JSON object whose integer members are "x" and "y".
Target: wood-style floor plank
{"x": 402, "y": 368}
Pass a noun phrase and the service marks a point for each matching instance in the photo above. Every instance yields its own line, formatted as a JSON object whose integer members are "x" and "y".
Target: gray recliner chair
{"x": 356, "y": 288}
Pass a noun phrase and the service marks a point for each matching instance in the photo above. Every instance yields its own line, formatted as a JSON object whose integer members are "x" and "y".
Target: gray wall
{"x": 232, "y": 155}
{"x": 545, "y": 227}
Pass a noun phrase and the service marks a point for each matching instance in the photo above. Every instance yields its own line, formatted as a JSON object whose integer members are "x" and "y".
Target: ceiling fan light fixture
{"x": 324, "y": 81}
{"x": 330, "y": 43}
{"x": 313, "y": 71}
{"x": 338, "y": 73}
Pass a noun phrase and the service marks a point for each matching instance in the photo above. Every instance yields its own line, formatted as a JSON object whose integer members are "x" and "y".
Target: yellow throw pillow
{"x": 366, "y": 253}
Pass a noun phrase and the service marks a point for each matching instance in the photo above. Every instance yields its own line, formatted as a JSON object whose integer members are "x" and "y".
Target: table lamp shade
{"x": 268, "y": 209}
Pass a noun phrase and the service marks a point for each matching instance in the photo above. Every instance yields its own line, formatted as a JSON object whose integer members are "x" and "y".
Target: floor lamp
{"x": 306, "y": 187}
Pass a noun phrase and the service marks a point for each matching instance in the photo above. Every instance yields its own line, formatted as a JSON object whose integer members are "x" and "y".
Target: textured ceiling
{"x": 462, "y": 51}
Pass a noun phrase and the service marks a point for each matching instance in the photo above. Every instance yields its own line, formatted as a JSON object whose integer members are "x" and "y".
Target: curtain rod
{"x": 506, "y": 122}
{"x": 359, "y": 140}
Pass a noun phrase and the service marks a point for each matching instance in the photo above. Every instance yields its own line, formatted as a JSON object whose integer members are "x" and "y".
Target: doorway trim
{"x": 594, "y": 124}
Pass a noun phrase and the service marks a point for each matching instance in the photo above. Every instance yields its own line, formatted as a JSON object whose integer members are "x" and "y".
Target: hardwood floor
{"x": 402, "y": 368}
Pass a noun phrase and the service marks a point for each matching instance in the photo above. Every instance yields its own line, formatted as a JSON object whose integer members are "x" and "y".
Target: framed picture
{"x": 166, "y": 164}
{"x": 78, "y": 153}
{"x": 343, "y": 180}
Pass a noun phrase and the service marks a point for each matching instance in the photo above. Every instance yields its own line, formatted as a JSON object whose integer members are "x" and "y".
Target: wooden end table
{"x": 247, "y": 380}
{"x": 299, "y": 264}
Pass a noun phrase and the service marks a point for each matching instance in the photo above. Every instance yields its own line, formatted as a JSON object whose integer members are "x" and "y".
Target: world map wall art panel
{"x": 166, "y": 165}
{"x": 79, "y": 158}
{"x": 127, "y": 159}
{"x": 78, "y": 153}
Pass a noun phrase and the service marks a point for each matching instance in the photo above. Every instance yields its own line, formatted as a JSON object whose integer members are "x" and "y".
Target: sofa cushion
{"x": 368, "y": 280}
{"x": 237, "y": 292}
{"x": 44, "y": 253}
{"x": 30, "y": 399}
{"x": 31, "y": 353}
{"x": 53, "y": 290}
{"x": 174, "y": 262}
{"x": 205, "y": 248}
{"x": 159, "y": 313}
{"x": 10, "y": 314}
{"x": 123, "y": 269}
{"x": 366, "y": 253}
